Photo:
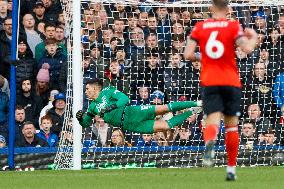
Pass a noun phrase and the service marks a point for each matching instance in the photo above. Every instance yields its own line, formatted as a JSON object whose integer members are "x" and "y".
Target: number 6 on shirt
{"x": 214, "y": 48}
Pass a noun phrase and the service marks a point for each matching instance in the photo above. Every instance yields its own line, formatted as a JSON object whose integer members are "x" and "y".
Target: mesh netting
{"x": 138, "y": 47}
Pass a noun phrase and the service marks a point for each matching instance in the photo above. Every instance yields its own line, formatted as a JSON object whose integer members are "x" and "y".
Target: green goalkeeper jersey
{"x": 107, "y": 97}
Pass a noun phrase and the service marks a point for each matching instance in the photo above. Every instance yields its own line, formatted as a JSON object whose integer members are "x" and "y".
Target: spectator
{"x": 160, "y": 139}
{"x": 52, "y": 10}
{"x": 26, "y": 66}
{"x": 42, "y": 83}
{"x": 132, "y": 22}
{"x": 174, "y": 77}
{"x": 143, "y": 20}
{"x": 107, "y": 35}
{"x": 56, "y": 60}
{"x": 193, "y": 89}
{"x": 30, "y": 102}
{"x": 49, "y": 32}
{"x": 260, "y": 23}
{"x": 20, "y": 117}
{"x": 59, "y": 35}
{"x": 185, "y": 18}
{"x": 175, "y": 15}
{"x": 118, "y": 28}
{"x": 151, "y": 26}
{"x": 45, "y": 133}
{"x": 178, "y": 44}
{"x": 2, "y": 142}
{"x": 262, "y": 124}
{"x": 4, "y": 107}
{"x": 143, "y": 96}
{"x": 281, "y": 23}
{"x": 3, "y": 12}
{"x": 117, "y": 139}
{"x": 258, "y": 89}
{"x": 248, "y": 134}
{"x": 267, "y": 138}
{"x": 4, "y": 85}
{"x": 146, "y": 140}
{"x": 153, "y": 74}
{"x": 29, "y": 32}
{"x": 245, "y": 63}
{"x": 183, "y": 137}
{"x": 57, "y": 113}
{"x": 278, "y": 91}
{"x": 102, "y": 132}
{"x": 115, "y": 77}
{"x": 39, "y": 12}
{"x": 164, "y": 27}
{"x": 275, "y": 51}
{"x": 152, "y": 45}
{"x": 137, "y": 45}
{"x": 30, "y": 139}
{"x": 5, "y": 46}
{"x": 49, "y": 105}
{"x": 177, "y": 28}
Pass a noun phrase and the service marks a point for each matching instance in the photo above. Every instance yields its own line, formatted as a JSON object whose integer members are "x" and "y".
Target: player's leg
{"x": 232, "y": 98}
{"x": 151, "y": 126}
{"x": 213, "y": 108}
{"x": 232, "y": 145}
{"x": 175, "y": 106}
{"x": 161, "y": 125}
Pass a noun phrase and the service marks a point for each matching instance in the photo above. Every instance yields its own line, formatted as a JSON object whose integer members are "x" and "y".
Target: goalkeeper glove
{"x": 79, "y": 115}
{"x": 107, "y": 109}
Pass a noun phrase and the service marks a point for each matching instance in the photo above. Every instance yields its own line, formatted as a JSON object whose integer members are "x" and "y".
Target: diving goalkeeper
{"x": 112, "y": 105}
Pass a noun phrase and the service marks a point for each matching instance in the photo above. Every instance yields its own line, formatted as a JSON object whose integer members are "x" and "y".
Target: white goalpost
{"x": 72, "y": 154}
{"x": 77, "y": 85}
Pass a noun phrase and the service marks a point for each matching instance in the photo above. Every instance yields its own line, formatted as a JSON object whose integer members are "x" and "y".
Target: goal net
{"x": 138, "y": 47}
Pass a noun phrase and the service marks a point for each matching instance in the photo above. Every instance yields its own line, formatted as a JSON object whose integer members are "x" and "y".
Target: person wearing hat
{"x": 57, "y": 113}
{"x": 42, "y": 83}
{"x": 39, "y": 11}
{"x": 157, "y": 97}
{"x": 260, "y": 21}
{"x": 113, "y": 106}
{"x": 25, "y": 64}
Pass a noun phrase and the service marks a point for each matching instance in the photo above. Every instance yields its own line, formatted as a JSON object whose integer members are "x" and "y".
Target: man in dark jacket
{"x": 30, "y": 139}
{"x": 5, "y": 46}
{"x": 30, "y": 101}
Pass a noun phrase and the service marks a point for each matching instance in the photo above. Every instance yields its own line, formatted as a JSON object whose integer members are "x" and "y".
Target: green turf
{"x": 207, "y": 178}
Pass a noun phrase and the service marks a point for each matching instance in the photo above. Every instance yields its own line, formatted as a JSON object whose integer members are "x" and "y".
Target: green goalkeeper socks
{"x": 176, "y": 106}
{"x": 179, "y": 119}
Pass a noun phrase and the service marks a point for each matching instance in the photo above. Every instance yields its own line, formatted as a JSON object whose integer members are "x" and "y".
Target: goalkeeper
{"x": 112, "y": 105}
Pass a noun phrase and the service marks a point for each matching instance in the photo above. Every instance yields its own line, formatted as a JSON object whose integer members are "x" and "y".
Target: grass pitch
{"x": 200, "y": 178}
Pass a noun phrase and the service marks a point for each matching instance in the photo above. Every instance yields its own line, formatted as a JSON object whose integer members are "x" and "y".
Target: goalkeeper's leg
{"x": 175, "y": 106}
{"x": 151, "y": 126}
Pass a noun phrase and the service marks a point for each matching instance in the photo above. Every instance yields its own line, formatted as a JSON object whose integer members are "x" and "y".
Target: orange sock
{"x": 210, "y": 132}
{"x": 232, "y": 144}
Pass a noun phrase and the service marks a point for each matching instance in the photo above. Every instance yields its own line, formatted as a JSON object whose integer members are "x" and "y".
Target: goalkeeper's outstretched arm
{"x": 85, "y": 119}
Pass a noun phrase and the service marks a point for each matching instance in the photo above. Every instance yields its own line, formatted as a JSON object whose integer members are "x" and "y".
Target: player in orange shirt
{"x": 217, "y": 38}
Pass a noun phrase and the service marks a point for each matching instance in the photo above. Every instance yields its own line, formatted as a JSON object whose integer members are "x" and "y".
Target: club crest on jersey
{"x": 102, "y": 105}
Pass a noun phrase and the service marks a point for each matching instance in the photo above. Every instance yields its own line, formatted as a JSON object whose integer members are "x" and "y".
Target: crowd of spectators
{"x": 139, "y": 49}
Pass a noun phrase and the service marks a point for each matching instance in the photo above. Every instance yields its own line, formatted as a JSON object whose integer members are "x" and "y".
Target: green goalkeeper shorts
{"x": 139, "y": 119}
